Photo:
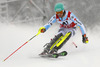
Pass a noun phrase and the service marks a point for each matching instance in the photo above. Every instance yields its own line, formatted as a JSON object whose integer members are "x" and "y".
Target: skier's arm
{"x": 78, "y": 23}
{"x": 48, "y": 25}
{"x": 51, "y": 21}
{"x": 81, "y": 26}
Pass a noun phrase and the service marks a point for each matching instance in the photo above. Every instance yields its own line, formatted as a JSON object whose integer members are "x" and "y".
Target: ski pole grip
{"x": 39, "y": 31}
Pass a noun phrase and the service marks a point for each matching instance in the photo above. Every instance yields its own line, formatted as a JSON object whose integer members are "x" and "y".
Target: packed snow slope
{"x": 13, "y": 36}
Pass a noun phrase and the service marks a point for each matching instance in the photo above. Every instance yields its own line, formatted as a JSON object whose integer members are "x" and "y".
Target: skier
{"x": 68, "y": 23}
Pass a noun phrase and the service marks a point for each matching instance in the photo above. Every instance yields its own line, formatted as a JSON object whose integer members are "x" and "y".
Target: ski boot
{"x": 45, "y": 52}
{"x": 54, "y": 50}
{"x": 54, "y": 53}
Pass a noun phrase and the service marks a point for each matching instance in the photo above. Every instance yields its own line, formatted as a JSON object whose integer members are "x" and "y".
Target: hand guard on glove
{"x": 84, "y": 38}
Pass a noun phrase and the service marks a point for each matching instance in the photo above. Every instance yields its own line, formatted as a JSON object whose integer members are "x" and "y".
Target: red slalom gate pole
{"x": 21, "y": 47}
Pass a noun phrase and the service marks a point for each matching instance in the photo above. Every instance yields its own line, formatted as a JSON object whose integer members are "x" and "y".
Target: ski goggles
{"x": 60, "y": 12}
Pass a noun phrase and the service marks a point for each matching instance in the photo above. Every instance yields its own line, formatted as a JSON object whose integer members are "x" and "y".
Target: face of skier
{"x": 60, "y": 13}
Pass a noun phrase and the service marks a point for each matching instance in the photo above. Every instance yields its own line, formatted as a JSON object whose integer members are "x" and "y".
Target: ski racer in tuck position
{"x": 68, "y": 23}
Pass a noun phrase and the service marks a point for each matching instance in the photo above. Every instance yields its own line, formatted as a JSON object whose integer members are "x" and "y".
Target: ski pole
{"x": 22, "y": 46}
{"x": 74, "y": 44}
{"x": 81, "y": 33}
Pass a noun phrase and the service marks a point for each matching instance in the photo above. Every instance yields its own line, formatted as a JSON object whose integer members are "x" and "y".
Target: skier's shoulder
{"x": 68, "y": 11}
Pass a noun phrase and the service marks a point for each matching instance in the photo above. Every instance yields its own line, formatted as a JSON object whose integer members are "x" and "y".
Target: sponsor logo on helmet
{"x": 58, "y": 9}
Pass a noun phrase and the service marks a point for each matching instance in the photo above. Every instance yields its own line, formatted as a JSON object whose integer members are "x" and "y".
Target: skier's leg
{"x": 52, "y": 43}
{"x": 53, "y": 46}
{"x": 67, "y": 36}
{"x": 63, "y": 41}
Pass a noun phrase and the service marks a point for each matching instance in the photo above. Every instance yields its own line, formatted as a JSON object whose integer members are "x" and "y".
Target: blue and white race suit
{"x": 67, "y": 24}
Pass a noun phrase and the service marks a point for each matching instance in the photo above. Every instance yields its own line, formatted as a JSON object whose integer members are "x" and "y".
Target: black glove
{"x": 84, "y": 38}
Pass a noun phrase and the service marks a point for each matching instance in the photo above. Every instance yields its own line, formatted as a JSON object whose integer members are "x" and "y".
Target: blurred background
{"x": 40, "y": 11}
{"x": 21, "y": 19}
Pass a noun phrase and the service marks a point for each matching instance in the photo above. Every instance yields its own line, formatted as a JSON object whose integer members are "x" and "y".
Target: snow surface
{"x": 13, "y": 36}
